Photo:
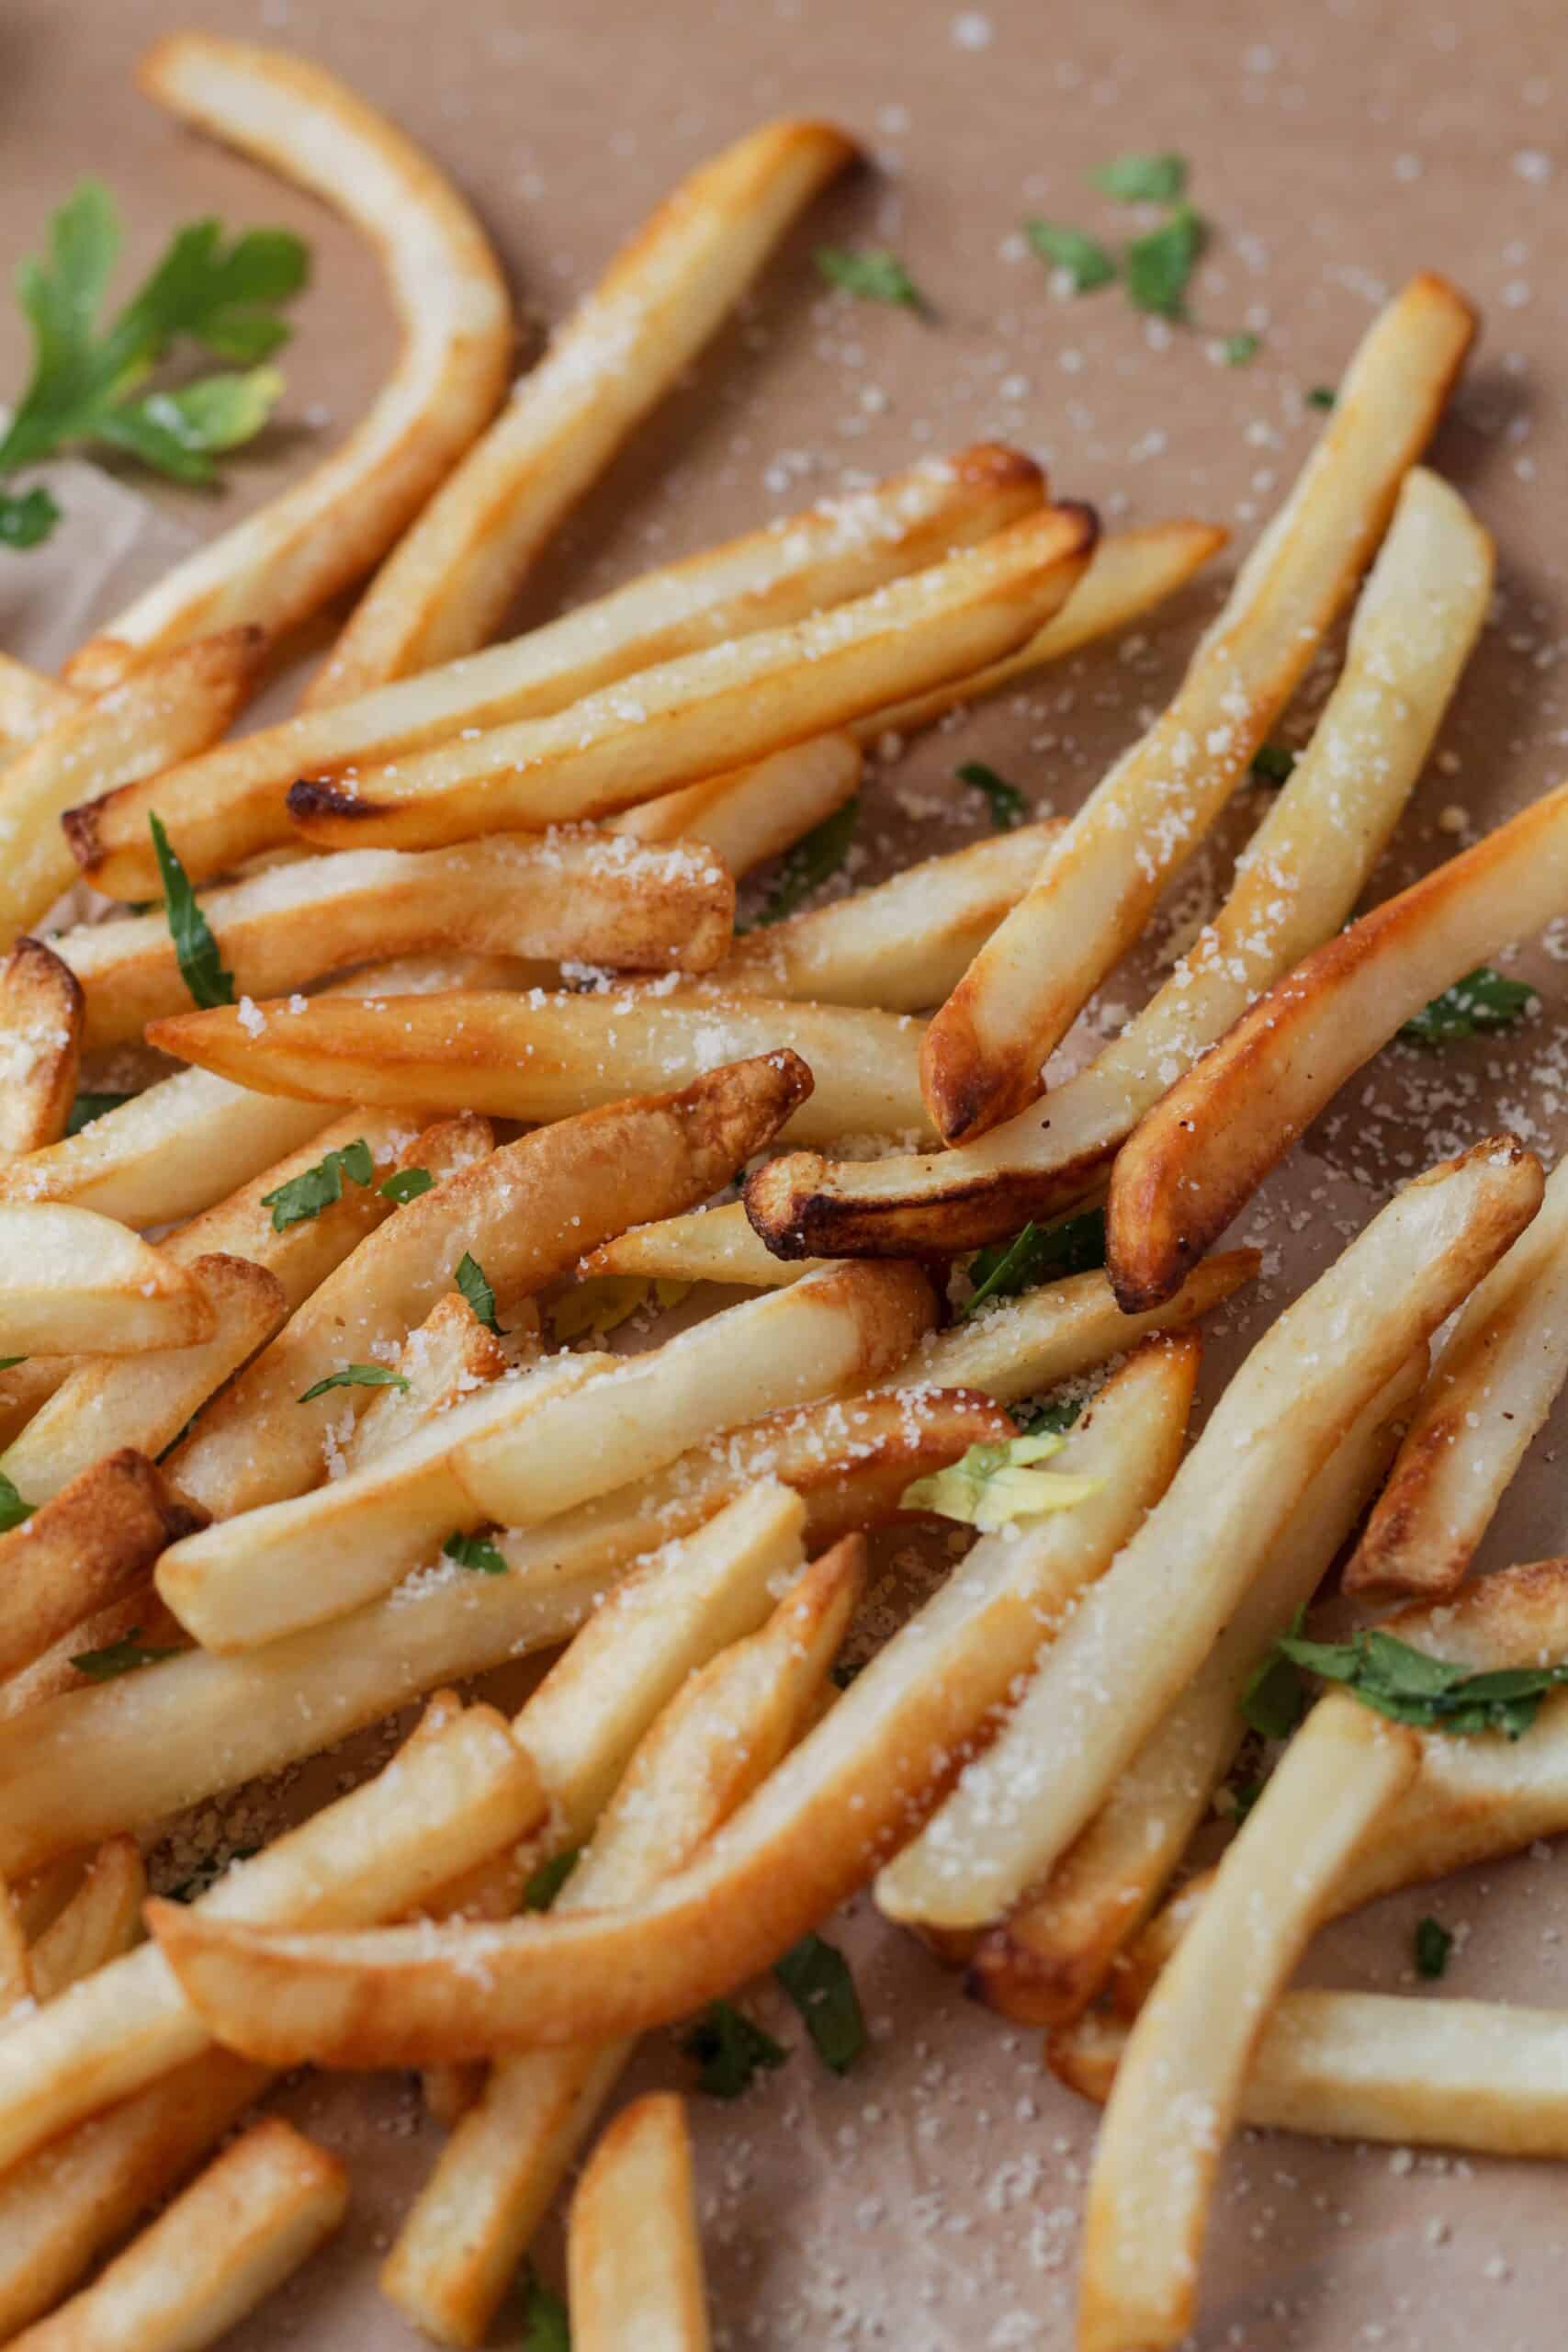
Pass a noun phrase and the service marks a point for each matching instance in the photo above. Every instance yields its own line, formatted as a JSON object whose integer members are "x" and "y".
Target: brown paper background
{"x": 931, "y": 2201}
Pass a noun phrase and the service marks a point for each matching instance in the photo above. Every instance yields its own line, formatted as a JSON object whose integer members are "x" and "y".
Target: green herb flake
{"x": 8, "y": 1363}
{"x": 871, "y": 277}
{"x": 1054, "y": 1418}
{"x": 405, "y": 1185}
{"x": 1410, "y": 1687}
{"x": 1006, "y": 804}
{"x": 201, "y": 967}
{"x": 355, "y": 1375}
{"x": 471, "y": 1279}
{"x": 1160, "y": 265}
{"x": 1433, "y": 1943}
{"x": 1275, "y": 1698}
{"x": 315, "y": 1189}
{"x": 816, "y": 1977}
{"x": 1037, "y": 1254}
{"x": 1142, "y": 179}
{"x": 88, "y": 1107}
{"x": 546, "y": 2327}
{"x": 993, "y": 1484}
{"x": 1273, "y": 764}
{"x": 816, "y": 857}
{"x": 1322, "y": 396}
{"x": 1084, "y": 259}
{"x": 124, "y": 1657}
{"x": 26, "y": 518}
{"x": 550, "y": 1878}
{"x": 13, "y": 1510}
{"x": 729, "y": 2050}
{"x": 476, "y": 1552}
{"x": 1480, "y": 1003}
{"x": 1240, "y": 350}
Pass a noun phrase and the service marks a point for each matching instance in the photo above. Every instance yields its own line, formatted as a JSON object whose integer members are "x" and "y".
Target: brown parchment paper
{"x": 931, "y": 2199}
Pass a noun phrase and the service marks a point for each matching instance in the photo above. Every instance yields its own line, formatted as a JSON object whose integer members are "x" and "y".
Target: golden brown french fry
{"x": 1179, "y": 2089}
{"x": 446, "y": 589}
{"x": 102, "y": 1919}
{"x": 41, "y": 1015}
{"x": 1177, "y": 1185}
{"x": 30, "y": 703}
{"x": 634, "y": 2259}
{"x": 15, "y": 1974}
{"x": 754, "y": 813}
{"x": 1491, "y": 1390}
{"x": 444, "y": 1358}
{"x": 1295, "y": 884}
{"x": 70, "y": 1279}
{"x": 182, "y": 702}
{"x": 231, "y": 805}
{"x": 259, "y": 1444}
{"x": 816, "y": 1828}
{"x": 691, "y": 718}
{"x": 259, "y": 2210}
{"x": 92, "y": 1543}
{"x": 1100, "y": 881}
{"x": 708, "y": 1245}
{"x": 288, "y": 559}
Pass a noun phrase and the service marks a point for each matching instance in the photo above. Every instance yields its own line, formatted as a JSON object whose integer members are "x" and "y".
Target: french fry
{"x": 1294, "y": 885}
{"x": 708, "y": 1245}
{"x": 1490, "y": 1392}
{"x": 705, "y": 712}
{"x": 182, "y": 702}
{"x": 444, "y": 1358}
{"x": 259, "y": 1444}
{"x": 634, "y": 2259}
{"x": 442, "y": 1803}
{"x": 1177, "y": 1185}
{"x": 259, "y": 2210}
{"x": 91, "y": 1543}
{"x": 543, "y": 1057}
{"x": 30, "y": 703}
{"x": 526, "y": 1450}
{"x": 1179, "y": 2089}
{"x": 858, "y": 1784}
{"x": 232, "y": 804}
{"x": 293, "y": 555}
{"x": 446, "y": 589}
{"x": 71, "y": 1280}
{"x": 102, "y": 1919}
{"x": 15, "y": 1974}
{"x": 1099, "y": 880}
{"x": 1049, "y": 1956}
{"x": 754, "y": 813}
{"x": 40, "y": 1047}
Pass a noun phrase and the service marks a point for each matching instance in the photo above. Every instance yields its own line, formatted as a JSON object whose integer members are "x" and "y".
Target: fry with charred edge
{"x": 707, "y": 711}
{"x": 285, "y": 562}
{"x": 446, "y": 589}
{"x": 259, "y": 2210}
{"x": 443, "y": 1359}
{"x": 445, "y": 1802}
{"x": 40, "y": 1047}
{"x": 1468, "y": 2075}
{"x": 634, "y": 2259}
{"x": 1491, "y": 1390}
{"x": 714, "y": 1743}
{"x": 859, "y": 1783}
{"x": 95, "y": 1541}
{"x": 1295, "y": 884}
{"x": 30, "y": 703}
{"x": 102, "y": 1919}
{"x": 526, "y": 1450}
{"x": 179, "y": 704}
{"x": 1179, "y": 2089}
{"x": 1099, "y": 882}
{"x": 1049, "y": 1957}
{"x": 1195, "y": 1160}
{"x": 708, "y": 1245}
{"x": 754, "y": 813}
{"x": 543, "y": 1057}
{"x": 226, "y": 806}
{"x": 71, "y": 1280}
{"x": 259, "y": 1444}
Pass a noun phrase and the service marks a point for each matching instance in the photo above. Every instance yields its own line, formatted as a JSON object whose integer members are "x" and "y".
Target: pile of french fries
{"x": 307, "y": 1411}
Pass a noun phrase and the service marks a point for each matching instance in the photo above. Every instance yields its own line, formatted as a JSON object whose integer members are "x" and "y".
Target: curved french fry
{"x": 102, "y": 1919}
{"x": 71, "y": 1280}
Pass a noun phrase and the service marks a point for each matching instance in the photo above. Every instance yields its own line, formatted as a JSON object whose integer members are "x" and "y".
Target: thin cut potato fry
{"x": 444, "y": 1358}
{"x": 754, "y": 813}
{"x": 634, "y": 2259}
{"x": 179, "y": 704}
{"x": 71, "y": 1280}
{"x": 259, "y": 1444}
{"x": 1196, "y": 1159}
{"x": 259, "y": 2210}
{"x": 446, "y": 588}
{"x": 1100, "y": 881}
{"x": 707, "y": 1246}
{"x": 232, "y": 804}
{"x": 95, "y": 1541}
{"x": 102, "y": 1919}
{"x": 707, "y": 711}
{"x": 857, "y": 1785}
{"x": 1179, "y": 2089}
{"x": 1491, "y": 1390}
{"x": 42, "y": 1014}
{"x": 30, "y": 703}
{"x": 145, "y": 1401}
{"x": 443, "y": 1802}
{"x": 543, "y": 1057}
{"x": 283, "y": 563}
{"x": 1470, "y": 2074}
{"x": 1295, "y": 884}
{"x": 15, "y": 1974}
{"x": 1049, "y": 1957}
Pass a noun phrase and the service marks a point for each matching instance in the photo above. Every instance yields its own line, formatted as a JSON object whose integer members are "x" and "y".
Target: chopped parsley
{"x": 816, "y": 1977}
{"x": 546, "y": 2327}
{"x": 13, "y": 1510}
{"x": 1410, "y": 1687}
{"x": 88, "y": 1107}
{"x": 1275, "y": 1698}
{"x": 405, "y": 1185}
{"x": 815, "y": 858}
{"x": 1433, "y": 1943}
{"x": 871, "y": 277}
{"x": 1037, "y": 1254}
{"x": 1085, "y": 261}
{"x": 1160, "y": 265}
{"x": 548, "y": 1879}
{"x": 471, "y": 1279}
{"x": 1322, "y": 396}
{"x": 476, "y": 1552}
{"x": 729, "y": 2050}
{"x": 1142, "y": 179}
{"x": 196, "y": 950}
{"x": 1054, "y": 1416}
{"x": 1476, "y": 1006}
{"x": 315, "y": 1189}
{"x": 1273, "y": 764}
{"x": 124, "y": 1657}
{"x": 355, "y": 1375}
{"x": 1240, "y": 350}
{"x": 1006, "y": 804}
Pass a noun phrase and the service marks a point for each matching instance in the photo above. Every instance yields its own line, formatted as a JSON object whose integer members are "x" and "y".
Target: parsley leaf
{"x": 475, "y": 1552}
{"x": 816, "y": 856}
{"x": 1410, "y": 1687}
{"x": 1084, "y": 258}
{"x": 1433, "y": 1945}
{"x": 26, "y": 518}
{"x": 470, "y": 1281}
{"x": 1037, "y": 1254}
{"x": 871, "y": 277}
{"x": 201, "y": 967}
{"x": 406, "y": 1185}
{"x": 123, "y": 1657}
{"x": 991, "y": 1485}
{"x": 7, "y": 1361}
{"x": 1006, "y": 804}
{"x": 1240, "y": 350}
{"x": 1322, "y": 396}
{"x": 13, "y": 1510}
{"x": 1273, "y": 764}
{"x": 1160, "y": 265}
{"x": 88, "y": 1107}
{"x": 1054, "y": 1416}
{"x": 315, "y": 1189}
{"x": 1142, "y": 179}
{"x": 816, "y": 1977}
{"x": 355, "y": 1375}
{"x": 1473, "y": 1007}
{"x": 1275, "y": 1698}
{"x": 546, "y": 2327}
{"x": 729, "y": 2050}
{"x": 548, "y": 1879}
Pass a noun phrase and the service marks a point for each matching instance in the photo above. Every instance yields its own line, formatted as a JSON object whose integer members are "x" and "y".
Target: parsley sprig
{"x": 1410, "y": 1687}
{"x": 471, "y": 1280}
{"x": 729, "y": 2050}
{"x": 124, "y": 1657}
{"x": 356, "y": 1375}
{"x": 816, "y": 1977}
{"x": 196, "y": 950}
{"x": 13, "y": 1510}
{"x": 314, "y": 1189}
{"x": 476, "y": 1552}
{"x": 814, "y": 857}
{"x": 1006, "y": 804}
{"x": 1040, "y": 1253}
{"x": 1478, "y": 1005}
{"x": 871, "y": 277}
